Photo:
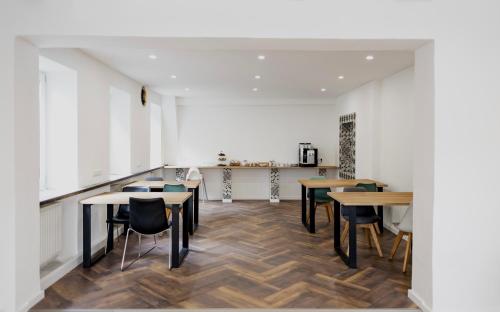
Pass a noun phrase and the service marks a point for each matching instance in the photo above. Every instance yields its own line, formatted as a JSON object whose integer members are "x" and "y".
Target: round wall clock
{"x": 144, "y": 96}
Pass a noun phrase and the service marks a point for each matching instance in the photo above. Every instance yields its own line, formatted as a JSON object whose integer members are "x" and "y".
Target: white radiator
{"x": 50, "y": 233}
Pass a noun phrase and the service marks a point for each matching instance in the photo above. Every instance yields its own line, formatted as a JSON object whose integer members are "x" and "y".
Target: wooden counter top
{"x": 117, "y": 198}
{"x": 248, "y": 167}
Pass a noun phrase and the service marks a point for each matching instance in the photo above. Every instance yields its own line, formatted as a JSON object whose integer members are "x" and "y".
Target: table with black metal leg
{"x": 193, "y": 187}
{"x": 351, "y": 200}
{"x": 174, "y": 199}
{"x": 307, "y": 184}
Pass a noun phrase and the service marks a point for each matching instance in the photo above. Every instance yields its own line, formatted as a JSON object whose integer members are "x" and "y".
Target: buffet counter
{"x": 274, "y": 176}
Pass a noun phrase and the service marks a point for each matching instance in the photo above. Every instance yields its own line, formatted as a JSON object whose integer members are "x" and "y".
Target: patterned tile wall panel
{"x": 322, "y": 172}
{"x": 227, "y": 191}
{"x": 347, "y": 142}
{"x": 275, "y": 184}
{"x": 180, "y": 174}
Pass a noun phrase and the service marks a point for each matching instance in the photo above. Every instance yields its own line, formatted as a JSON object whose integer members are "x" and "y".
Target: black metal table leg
{"x": 109, "y": 244}
{"x": 380, "y": 212}
{"x": 304, "y": 206}
{"x": 87, "y": 227}
{"x": 174, "y": 238}
{"x": 190, "y": 203}
{"x": 350, "y": 260}
{"x": 177, "y": 254}
{"x": 196, "y": 206}
{"x": 187, "y": 219}
{"x": 352, "y": 238}
{"x": 336, "y": 225}
{"x": 312, "y": 212}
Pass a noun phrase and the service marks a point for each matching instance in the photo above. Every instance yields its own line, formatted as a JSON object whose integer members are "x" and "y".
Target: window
{"x": 119, "y": 136}
{"x": 58, "y": 126}
{"x": 155, "y": 135}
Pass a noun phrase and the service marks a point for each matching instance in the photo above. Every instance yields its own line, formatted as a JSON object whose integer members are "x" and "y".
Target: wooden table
{"x": 193, "y": 186}
{"x": 331, "y": 183}
{"x": 118, "y": 198}
{"x": 351, "y": 200}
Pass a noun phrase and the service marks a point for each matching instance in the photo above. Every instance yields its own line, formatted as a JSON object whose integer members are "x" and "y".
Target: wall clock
{"x": 144, "y": 96}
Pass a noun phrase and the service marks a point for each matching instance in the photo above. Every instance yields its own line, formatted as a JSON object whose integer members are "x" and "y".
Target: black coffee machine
{"x": 308, "y": 155}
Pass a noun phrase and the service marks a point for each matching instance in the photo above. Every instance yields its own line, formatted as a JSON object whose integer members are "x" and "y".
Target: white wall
{"x": 384, "y": 132}
{"x": 466, "y": 67}
{"x": 27, "y": 216}
{"x": 254, "y": 130}
{"x": 423, "y": 180}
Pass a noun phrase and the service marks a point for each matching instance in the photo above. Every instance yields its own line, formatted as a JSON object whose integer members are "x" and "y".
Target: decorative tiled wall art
{"x": 322, "y": 172}
{"x": 180, "y": 174}
{"x": 275, "y": 185}
{"x": 347, "y": 142}
{"x": 227, "y": 192}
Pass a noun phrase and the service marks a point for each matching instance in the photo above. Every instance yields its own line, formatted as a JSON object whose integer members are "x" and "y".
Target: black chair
{"x": 122, "y": 215}
{"x": 153, "y": 179}
{"x": 366, "y": 218}
{"x": 147, "y": 217}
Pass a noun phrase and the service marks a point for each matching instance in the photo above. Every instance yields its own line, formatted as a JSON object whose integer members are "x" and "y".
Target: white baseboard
{"x": 418, "y": 301}
{"x": 32, "y": 302}
{"x": 228, "y": 201}
{"x": 275, "y": 200}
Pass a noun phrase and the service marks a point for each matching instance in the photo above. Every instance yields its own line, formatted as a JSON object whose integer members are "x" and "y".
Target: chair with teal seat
{"x": 366, "y": 217}
{"x": 322, "y": 199}
{"x": 173, "y": 188}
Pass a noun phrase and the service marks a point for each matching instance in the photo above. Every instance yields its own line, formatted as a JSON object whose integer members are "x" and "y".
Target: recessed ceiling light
{"x": 261, "y": 57}
{"x": 173, "y": 76}
{"x": 340, "y": 77}
{"x": 257, "y": 77}
{"x": 186, "y": 89}
{"x": 370, "y": 57}
{"x": 153, "y": 57}
{"x": 323, "y": 89}
{"x": 255, "y": 89}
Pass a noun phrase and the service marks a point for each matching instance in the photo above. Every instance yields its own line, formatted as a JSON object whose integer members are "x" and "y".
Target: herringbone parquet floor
{"x": 248, "y": 254}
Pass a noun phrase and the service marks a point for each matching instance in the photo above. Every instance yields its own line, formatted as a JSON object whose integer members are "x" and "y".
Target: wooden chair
{"x": 322, "y": 199}
{"x": 405, "y": 228}
{"x": 366, "y": 218}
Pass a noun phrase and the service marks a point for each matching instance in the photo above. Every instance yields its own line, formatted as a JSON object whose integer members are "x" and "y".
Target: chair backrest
{"x": 148, "y": 216}
{"x": 320, "y": 194}
{"x": 369, "y": 187}
{"x": 153, "y": 179}
{"x": 361, "y": 211}
{"x": 123, "y": 210}
{"x": 174, "y": 188}
{"x": 406, "y": 224}
{"x": 193, "y": 174}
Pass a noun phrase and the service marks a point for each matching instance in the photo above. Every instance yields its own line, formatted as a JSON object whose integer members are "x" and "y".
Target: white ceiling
{"x": 225, "y": 68}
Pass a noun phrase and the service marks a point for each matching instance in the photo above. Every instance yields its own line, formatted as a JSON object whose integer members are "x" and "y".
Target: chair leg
{"x": 375, "y": 240}
{"x": 329, "y": 214}
{"x": 407, "y": 252}
{"x": 396, "y": 243}
{"x": 140, "y": 236}
{"x": 377, "y": 228}
{"x": 344, "y": 233}
{"x": 204, "y": 189}
{"x": 367, "y": 235}
{"x": 125, "y": 249}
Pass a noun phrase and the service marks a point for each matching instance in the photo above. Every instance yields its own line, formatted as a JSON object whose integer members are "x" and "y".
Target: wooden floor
{"x": 248, "y": 254}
